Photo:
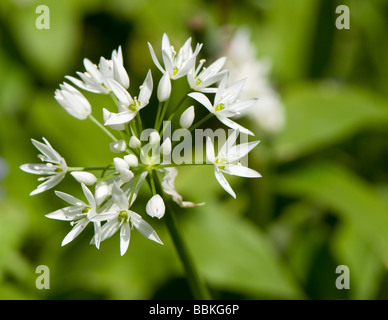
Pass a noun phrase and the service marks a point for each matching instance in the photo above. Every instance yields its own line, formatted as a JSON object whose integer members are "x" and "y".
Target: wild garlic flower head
{"x": 144, "y": 154}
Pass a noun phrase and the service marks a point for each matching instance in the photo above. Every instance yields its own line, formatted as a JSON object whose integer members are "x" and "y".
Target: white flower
{"x": 227, "y": 160}
{"x": 155, "y": 207}
{"x": 79, "y": 213}
{"x": 226, "y": 104}
{"x": 128, "y": 106}
{"x": 95, "y": 78}
{"x": 207, "y": 77}
{"x": 73, "y": 101}
{"x": 122, "y": 167}
{"x": 168, "y": 187}
{"x": 268, "y": 112}
{"x": 177, "y": 65}
{"x": 123, "y": 219}
{"x": 84, "y": 177}
{"x": 164, "y": 88}
{"x": 54, "y": 168}
{"x": 187, "y": 118}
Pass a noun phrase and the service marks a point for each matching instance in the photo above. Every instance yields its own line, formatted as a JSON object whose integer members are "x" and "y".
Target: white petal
{"x": 125, "y": 235}
{"x": 89, "y": 196}
{"x": 231, "y": 124}
{"x": 155, "y": 59}
{"x": 109, "y": 229}
{"x": 146, "y": 90}
{"x": 49, "y": 184}
{"x": 64, "y": 214}
{"x": 228, "y": 144}
{"x": 241, "y": 171}
{"x": 146, "y": 230}
{"x": 224, "y": 183}
{"x": 70, "y": 199}
{"x": 210, "y": 150}
{"x": 119, "y": 197}
{"x": 120, "y": 118}
{"x": 78, "y": 228}
{"x": 201, "y": 98}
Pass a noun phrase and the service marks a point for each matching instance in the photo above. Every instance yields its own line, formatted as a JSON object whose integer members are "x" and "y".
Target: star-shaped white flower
{"x": 95, "y": 78}
{"x": 54, "y": 167}
{"x": 79, "y": 213}
{"x": 128, "y": 106}
{"x": 120, "y": 217}
{"x": 177, "y": 65}
{"x": 226, "y": 104}
{"x": 200, "y": 81}
{"x": 227, "y": 160}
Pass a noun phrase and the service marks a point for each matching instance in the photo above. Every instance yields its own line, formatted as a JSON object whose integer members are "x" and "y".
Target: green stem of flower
{"x": 103, "y": 128}
{"x": 197, "y": 285}
{"x": 70, "y": 169}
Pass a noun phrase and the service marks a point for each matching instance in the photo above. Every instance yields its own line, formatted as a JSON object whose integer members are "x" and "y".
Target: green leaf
{"x": 234, "y": 255}
{"x": 345, "y": 194}
{"x": 324, "y": 113}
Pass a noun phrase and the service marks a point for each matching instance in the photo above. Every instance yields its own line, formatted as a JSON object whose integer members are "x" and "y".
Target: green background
{"x": 323, "y": 198}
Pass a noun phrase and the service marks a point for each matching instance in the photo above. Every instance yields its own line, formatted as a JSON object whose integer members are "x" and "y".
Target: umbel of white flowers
{"x": 110, "y": 191}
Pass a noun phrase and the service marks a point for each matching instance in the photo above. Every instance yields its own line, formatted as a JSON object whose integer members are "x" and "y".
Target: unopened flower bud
{"x": 132, "y": 161}
{"x": 164, "y": 88}
{"x": 134, "y": 143}
{"x": 165, "y": 147}
{"x": 187, "y": 118}
{"x": 84, "y": 177}
{"x": 155, "y": 207}
{"x": 154, "y": 138}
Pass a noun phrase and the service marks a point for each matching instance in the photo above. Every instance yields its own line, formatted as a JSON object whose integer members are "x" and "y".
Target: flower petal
{"x": 224, "y": 183}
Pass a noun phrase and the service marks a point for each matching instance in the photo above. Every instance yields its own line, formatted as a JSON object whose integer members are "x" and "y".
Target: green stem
{"x": 103, "y": 128}
{"x": 70, "y": 169}
{"x": 197, "y": 286}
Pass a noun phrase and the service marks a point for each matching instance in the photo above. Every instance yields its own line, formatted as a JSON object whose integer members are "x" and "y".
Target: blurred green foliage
{"x": 323, "y": 198}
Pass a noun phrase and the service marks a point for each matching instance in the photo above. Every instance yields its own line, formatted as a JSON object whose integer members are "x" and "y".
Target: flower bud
{"x": 164, "y": 88}
{"x": 165, "y": 147}
{"x": 154, "y": 138}
{"x": 134, "y": 143}
{"x": 120, "y": 164}
{"x": 73, "y": 101}
{"x": 187, "y": 118}
{"x": 132, "y": 161}
{"x": 155, "y": 207}
{"x": 84, "y": 177}
{"x": 117, "y": 146}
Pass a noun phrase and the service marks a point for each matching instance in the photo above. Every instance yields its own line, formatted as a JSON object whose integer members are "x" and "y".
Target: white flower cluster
{"x": 137, "y": 159}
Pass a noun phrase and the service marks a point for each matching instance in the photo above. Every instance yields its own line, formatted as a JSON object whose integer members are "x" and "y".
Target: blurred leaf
{"x": 366, "y": 270}
{"x": 49, "y": 51}
{"x": 234, "y": 255}
{"x": 322, "y": 114}
{"x": 352, "y": 199}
